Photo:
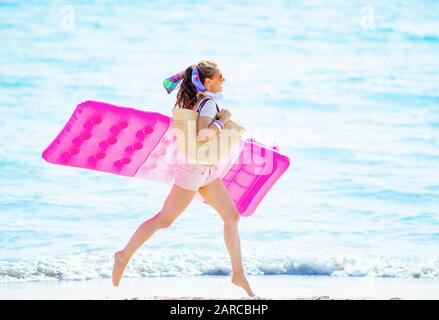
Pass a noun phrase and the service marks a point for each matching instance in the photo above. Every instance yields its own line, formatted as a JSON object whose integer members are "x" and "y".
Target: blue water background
{"x": 349, "y": 90}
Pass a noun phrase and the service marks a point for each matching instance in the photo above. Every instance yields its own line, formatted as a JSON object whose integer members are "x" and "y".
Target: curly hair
{"x": 187, "y": 95}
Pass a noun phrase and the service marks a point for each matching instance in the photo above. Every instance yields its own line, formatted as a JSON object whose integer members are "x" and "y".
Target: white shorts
{"x": 194, "y": 176}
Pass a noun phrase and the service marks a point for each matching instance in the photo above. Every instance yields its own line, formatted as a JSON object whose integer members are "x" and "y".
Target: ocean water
{"x": 348, "y": 90}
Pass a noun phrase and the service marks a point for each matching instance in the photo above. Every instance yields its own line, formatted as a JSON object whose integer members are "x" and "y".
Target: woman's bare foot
{"x": 241, "y": 281}
{"x": 120, "y": 262}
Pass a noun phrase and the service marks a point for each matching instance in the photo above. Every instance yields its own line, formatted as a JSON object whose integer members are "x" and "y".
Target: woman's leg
{"x": 176, "y": 202}
{"x": 216, "y": 194}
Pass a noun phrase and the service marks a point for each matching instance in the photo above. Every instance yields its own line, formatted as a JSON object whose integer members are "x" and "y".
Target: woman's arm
{"x": 206, "y": 129}
{"x": 209, "y": 127}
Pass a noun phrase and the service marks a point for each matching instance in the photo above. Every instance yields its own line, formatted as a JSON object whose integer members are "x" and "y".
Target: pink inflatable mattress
{"x": 141, "y": 144}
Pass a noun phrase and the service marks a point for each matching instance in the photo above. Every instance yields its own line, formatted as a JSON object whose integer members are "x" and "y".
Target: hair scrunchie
{"x": 172, "y": 82}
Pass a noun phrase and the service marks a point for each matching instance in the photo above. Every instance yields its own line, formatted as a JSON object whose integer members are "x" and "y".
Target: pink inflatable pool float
{"x": 141, "y": 144}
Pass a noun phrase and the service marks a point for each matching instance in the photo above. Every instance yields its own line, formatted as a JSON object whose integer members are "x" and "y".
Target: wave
{"x": 92, "y": 266}
{"x": 425, "y": 31}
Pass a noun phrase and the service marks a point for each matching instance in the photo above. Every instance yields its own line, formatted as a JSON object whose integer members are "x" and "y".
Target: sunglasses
{"x": 220, "y": 77}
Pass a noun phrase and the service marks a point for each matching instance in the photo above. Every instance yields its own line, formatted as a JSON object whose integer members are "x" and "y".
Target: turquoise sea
{"x": 349, "y": 90}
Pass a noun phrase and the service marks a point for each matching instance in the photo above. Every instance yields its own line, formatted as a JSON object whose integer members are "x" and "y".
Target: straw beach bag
{"x": 203, "y": 152}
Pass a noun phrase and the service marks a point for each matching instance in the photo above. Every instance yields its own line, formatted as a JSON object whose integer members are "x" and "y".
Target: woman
{"x": 201, "y": 86}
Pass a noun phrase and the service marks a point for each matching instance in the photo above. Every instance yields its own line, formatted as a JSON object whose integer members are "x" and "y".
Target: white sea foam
{"x": 86, "y": 267}
{"x": 354, "y": 109}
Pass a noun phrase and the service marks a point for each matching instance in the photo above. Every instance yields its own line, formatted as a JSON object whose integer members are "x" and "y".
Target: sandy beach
{"x": 219, "y": 287}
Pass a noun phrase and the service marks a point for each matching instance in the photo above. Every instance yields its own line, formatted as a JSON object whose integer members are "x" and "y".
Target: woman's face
{"x": 216, "y": 83}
